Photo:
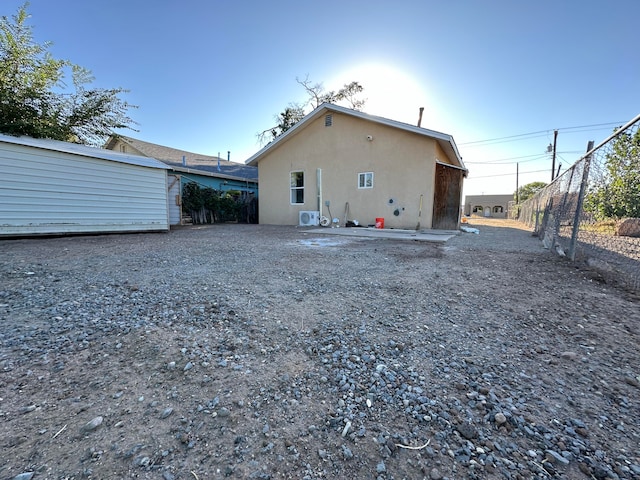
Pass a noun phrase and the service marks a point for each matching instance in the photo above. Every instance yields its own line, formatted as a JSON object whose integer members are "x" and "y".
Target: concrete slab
{"x": 425, "y": 235}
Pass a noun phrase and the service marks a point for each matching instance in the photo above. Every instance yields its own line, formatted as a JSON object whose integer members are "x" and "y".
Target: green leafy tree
{"x": 616, "y": 193}
{"x": 528, "y": 191}
{"x": 35, "y": 100}
{"x": 316, "y": 95}
{"x": 207, "y": 205}
{"x": 286, "y": 119}
{"x": 193, "y": 202}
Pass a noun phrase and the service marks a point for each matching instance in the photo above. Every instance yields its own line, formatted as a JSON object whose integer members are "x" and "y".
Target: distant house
{"x": 186, "y": 167}
{"x": 496, "y": 206}
{"x": 345, "y": 164}
{"x": 48, "y": 187}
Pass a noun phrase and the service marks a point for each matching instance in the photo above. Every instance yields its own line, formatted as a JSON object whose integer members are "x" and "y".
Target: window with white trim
{"x": 297, "y": 188}
{"x": 365, "y": 180}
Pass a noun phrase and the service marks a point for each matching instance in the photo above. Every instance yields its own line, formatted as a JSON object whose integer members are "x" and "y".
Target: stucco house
{"x": 496, "y": 206}
{"x": 346, "y": 164}
{"x": 185, "y": 167}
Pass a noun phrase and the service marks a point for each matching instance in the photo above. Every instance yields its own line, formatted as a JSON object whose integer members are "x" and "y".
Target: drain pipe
{"x": 319, "y": 187}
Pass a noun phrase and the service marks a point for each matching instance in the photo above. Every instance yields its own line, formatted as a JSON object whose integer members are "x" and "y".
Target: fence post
{"x": 581, "y": 194}
{"x": 558, "y": 223}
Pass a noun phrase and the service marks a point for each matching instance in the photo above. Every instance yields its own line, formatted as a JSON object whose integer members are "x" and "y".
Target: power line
{"x": 512, "y": 138}
{"x": 540, "y": 133}
{"x": 506, "y": 174}
{"x": 506, "y": 161}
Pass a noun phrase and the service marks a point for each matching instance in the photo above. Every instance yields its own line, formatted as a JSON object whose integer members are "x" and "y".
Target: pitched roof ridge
{"x": 445, "y": 138}
{"x": 163, "y": 152}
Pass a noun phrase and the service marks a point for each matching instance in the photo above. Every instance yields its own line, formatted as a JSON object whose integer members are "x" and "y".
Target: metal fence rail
{"x": 577, "y": 215}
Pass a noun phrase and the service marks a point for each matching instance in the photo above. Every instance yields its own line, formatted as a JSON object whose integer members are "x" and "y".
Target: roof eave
{"x": 438, "y": 136}
{"x": 194, "y": 171}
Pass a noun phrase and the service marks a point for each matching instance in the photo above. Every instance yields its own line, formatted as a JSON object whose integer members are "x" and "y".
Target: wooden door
{"x": 446, "y": 197}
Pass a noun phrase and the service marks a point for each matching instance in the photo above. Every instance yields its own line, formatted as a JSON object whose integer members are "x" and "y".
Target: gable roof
{"x": 194, "y": 161}
{"x": 445, "y": 141}
{"x": 84, "y": 150}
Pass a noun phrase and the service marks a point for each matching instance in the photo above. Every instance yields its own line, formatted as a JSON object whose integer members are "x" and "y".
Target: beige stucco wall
{"x": 122, "y": 147}
{"x": 403, "y": 164}
{"x": 487, "y": 202}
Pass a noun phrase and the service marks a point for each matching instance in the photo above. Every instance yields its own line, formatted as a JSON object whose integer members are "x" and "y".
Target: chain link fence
{"x": 591, "y": 212}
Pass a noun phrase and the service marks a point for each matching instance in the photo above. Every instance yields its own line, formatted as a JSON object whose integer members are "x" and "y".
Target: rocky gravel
{"x": 262, "y": 352}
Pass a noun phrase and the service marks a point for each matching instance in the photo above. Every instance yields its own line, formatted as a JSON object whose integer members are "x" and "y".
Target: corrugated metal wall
{"x": 46, "y": 192}
{"x": 175, "y": 208}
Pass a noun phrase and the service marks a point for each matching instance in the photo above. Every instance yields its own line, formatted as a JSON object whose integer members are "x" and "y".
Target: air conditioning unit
{"x": 308, "y": 218}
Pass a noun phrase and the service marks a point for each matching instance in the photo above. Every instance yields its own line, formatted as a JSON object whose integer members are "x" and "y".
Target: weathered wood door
{"x": 446, "y": 197}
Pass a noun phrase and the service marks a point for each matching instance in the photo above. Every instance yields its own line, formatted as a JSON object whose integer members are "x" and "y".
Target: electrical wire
{"x": 506, "y": 174}
{"x": 507, "y": 161}
{"x": 540, "y": 133}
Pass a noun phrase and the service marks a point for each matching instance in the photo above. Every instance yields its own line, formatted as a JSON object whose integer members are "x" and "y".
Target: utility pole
{"x": 553, "y": 161}
{"x": 517, "y": 186}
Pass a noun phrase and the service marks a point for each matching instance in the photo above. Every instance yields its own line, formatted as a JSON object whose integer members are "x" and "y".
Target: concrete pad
{"x": 425, "y": 235}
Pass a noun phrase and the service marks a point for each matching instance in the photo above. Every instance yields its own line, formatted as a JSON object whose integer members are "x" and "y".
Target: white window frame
{"x": 362, "y": 180}
{"x": 295, "y": 188}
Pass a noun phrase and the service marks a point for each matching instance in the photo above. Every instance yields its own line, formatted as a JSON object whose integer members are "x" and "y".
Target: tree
{"x": 616, "y": 193}
{"x": 286, "y": 119}
{"x": 35, "y": 101}
{"x": 348, "y": 94}
{"x": 316, "y": 96}
{"x": 528, "y": 191}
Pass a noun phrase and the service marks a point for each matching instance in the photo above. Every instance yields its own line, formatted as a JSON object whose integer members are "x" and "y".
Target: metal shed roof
{"x": 77, "y": 149}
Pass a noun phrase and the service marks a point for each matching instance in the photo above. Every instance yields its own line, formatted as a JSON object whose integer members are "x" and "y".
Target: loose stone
{"x": 92, "y": 425}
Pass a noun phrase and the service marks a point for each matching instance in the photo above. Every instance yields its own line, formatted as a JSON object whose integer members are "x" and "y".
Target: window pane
{"x": 297, "y": 179}
{"x": 365, "y": 180}
{"x": 297, "y": 187}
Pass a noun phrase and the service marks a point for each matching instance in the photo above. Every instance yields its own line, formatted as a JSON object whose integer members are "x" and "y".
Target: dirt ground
{"x": 262, "y": 352}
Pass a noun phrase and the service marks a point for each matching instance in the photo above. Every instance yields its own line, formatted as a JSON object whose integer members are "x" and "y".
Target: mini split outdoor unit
{"x": 308, "y": 218}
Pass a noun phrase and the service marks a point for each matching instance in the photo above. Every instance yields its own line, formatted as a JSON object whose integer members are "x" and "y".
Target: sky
{"x": 499, "y": 76}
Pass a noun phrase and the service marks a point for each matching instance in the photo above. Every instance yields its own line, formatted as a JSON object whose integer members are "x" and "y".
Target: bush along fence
{"x": 591, "y": 213}
{"x": 208, "y": 205}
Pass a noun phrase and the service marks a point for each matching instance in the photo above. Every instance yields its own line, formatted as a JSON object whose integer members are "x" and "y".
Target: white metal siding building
{"x": 175, "y": 200}
{"x": 52, "y": 187}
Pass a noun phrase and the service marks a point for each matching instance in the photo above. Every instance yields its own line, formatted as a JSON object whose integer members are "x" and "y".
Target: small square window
{"x": 365, "y": 180}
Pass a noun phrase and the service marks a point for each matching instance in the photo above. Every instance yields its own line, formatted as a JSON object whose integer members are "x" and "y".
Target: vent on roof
{"x": 328, "y": 120}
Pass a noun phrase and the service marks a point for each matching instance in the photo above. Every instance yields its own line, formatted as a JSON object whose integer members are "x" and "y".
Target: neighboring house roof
{"x": 194, "y": 161}
{"x": 214, "y": 173}
{"x": 445, "y": 141}
{"x": 84, "y": 150}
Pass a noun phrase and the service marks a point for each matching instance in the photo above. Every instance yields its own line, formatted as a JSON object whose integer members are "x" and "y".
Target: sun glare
{"x": 389, "y": 91}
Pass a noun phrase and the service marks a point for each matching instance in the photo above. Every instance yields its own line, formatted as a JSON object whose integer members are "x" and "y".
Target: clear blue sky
{"x": 208, "y": 75}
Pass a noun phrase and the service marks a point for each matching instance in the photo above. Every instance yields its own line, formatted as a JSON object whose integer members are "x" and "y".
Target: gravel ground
{"x": 261, "y": 352}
